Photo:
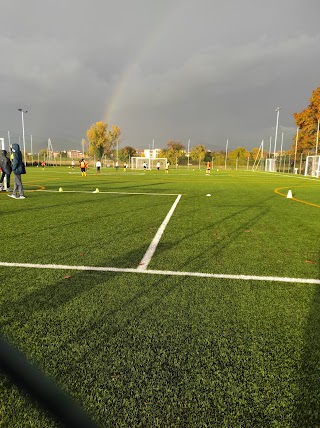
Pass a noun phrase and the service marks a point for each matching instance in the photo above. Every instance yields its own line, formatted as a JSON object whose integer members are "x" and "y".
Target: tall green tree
{"x": 174, "y": 151}
{"x": 208, "y": 156}
{"x": 102, "y": 140}
{"x": 198, "y": 153}
{"x": 126, "y": 153}
{"x": 307, "y": 123}
{"x": 239, "y": 153}
{"x": 219, "y": 158}
{"x": 258, "y": 153}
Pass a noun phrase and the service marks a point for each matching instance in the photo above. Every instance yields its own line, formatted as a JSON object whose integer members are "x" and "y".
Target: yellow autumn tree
{"x": 307, "y": 123}
{"x": 239, "y": 152}
{"x": 173, "y": 152}
{"x": 102, "y": 140}
{"x": 198, "y": 153}
{"x": 258, "y": 153}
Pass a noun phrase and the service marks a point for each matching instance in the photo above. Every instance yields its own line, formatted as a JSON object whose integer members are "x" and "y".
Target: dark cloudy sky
{"x": 202, "y": 70}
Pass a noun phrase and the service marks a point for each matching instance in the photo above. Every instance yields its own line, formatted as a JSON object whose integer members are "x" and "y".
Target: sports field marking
{"x": 277, "y": 191}
{"x": 164, "y": 272}
{"x": 154, "y": 243}
{"x": 104, "y": 192}
{"x": 153, "y": 246}
{"x": 287, "y": 175}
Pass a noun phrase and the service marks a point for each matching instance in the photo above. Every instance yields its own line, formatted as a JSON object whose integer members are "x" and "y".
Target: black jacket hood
{"x": 15, "y": 148}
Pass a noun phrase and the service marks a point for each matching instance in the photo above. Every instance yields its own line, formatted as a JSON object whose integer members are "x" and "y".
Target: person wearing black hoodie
{"x": 5, "y": 165}
{"x": 18, "y": 168}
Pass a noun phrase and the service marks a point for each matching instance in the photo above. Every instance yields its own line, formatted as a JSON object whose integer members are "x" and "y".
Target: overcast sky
{"x": 203, "y": 70}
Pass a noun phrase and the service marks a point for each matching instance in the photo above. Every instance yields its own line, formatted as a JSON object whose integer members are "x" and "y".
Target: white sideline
{"x": 165, "y": 272}
{"x": 153, "y": 246}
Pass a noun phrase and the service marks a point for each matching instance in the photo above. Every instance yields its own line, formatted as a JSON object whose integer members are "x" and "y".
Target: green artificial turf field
{"x": 163, "y": 345}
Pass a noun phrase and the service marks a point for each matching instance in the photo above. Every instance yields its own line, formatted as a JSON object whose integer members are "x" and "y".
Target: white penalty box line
{"x": 164, "y": 273}
{"x": 153, "y": 246}
{"x": 142, "y": 268}
{"x": 154, "y": 243}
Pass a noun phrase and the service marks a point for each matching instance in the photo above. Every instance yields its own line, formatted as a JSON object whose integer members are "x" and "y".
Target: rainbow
{"x": 118, "y": 93}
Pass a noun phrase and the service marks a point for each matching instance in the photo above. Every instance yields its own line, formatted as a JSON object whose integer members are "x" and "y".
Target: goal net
{"x": 312, "y": 166}
{"x": 138, "y": 162}
{"x": 270, "y": 165}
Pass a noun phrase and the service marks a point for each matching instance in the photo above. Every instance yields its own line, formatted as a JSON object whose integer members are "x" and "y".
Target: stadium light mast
{"x": 23, "y": 139}
{"x": 275, "y": 137}
{"x": 270, "y": 147}
{"x": 281, "y": 144}
{"x": 295, "y": 150}
{"x": 226, "y": 157}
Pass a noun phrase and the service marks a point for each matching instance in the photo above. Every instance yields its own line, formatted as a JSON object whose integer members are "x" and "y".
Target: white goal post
{"x": 270, "y": 165}
{"x": 137, "y": 162}
{"x": 312, "y": 166}
{"x": 5, "y": 177}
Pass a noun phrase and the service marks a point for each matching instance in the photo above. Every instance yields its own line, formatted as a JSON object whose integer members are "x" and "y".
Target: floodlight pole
{"x": 225, "y": 163}
{"x": 281, "y": 151}
{"x": 275, "y": 137}
{"x": 295, "y": 150}
{"x": 188, "y": 155}
{"x": 23, "y": 139}
{"x": 281, "y": 143}
{"x": 270, "y": 147}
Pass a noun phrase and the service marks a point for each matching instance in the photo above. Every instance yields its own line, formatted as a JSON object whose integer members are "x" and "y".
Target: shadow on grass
{"x": 307, "y": 406}
{"x": 58, "y": 324}
{"x": 71, "y": 286}
{"x": 25, "y": 320}
{"x": 221, "y": 244}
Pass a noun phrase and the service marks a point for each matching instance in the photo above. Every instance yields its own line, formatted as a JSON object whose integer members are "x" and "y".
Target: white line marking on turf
{"x": 287, "y": 175}
{"x": 164, "y": 272}
{"x": 116, "y": 193}
{"x": 152, "y": 247}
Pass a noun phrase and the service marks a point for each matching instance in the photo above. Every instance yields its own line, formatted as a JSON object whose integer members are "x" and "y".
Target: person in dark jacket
{"x": 18, "y": 168}
{"x": 5, "y": 165}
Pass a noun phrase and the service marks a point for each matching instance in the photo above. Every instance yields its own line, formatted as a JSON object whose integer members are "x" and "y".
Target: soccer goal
{"x": 138, "y": 162}
{"x": 270, "y": 165}
{"x": 312, "y": 166}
